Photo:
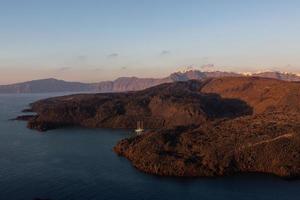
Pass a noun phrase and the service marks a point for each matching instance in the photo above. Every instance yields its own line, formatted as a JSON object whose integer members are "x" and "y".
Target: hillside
{"x": 262, "y": 94}
{"x": 166, "y": 105}
{"x": 214, "y": 127}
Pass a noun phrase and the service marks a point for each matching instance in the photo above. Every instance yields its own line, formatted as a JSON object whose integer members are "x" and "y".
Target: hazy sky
{"x": 89, "y": 41}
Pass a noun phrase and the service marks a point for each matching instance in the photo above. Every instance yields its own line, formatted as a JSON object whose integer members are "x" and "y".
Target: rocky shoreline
{"x": 216, "y": 127}
{"x": 248, "y": 144}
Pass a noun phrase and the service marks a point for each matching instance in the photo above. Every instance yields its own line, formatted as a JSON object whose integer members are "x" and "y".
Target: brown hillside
{"x": 260, "y": 93}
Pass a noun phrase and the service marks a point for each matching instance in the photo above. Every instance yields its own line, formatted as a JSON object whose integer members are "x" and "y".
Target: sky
{"x": 96, "y": 40}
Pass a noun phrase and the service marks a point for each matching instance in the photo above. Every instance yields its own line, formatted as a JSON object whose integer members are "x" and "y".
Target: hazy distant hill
{"x": 134, "y": 83}
{"x": 278, "y": 75}
{"x": 45, "y": 85}
{"x": 128, "y": 83}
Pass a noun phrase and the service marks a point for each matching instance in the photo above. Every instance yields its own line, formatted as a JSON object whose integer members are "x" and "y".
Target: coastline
{"x": 216, "y": 127}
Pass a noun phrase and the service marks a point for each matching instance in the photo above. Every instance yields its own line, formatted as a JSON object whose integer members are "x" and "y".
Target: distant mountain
{"x": 123, "y": 84}
{"x": 45, "y": 85}
{"x": 187, "y": 75}
{"x": 128, "y": 84}
{"x": 218, "y": 74}
{"x": 278, "y": 75}
{"x": 133, "y": 83}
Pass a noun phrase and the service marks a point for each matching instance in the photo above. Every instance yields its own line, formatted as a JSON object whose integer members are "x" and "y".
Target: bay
{"x": 79, "y": 164}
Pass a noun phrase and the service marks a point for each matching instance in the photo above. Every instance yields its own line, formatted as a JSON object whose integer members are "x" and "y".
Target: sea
{"x": 79, "y": 164}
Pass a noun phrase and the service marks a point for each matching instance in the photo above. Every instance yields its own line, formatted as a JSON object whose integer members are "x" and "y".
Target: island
{"x": 212, "y": 127}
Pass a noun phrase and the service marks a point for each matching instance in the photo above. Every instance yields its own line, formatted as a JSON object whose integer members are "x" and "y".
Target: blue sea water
{"x": 79, "y": 164}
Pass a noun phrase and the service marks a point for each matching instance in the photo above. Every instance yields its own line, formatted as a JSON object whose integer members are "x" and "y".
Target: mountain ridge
{"x": 123, "y": 84}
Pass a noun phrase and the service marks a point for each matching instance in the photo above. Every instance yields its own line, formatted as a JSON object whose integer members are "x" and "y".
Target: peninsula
{"x": 210, "y": 127}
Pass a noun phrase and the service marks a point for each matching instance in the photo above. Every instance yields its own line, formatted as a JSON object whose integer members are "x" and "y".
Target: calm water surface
{"x": 79, "y": 164}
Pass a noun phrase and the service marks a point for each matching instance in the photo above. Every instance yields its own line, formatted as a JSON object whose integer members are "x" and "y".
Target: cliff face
{"x": 214, "y": 127}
